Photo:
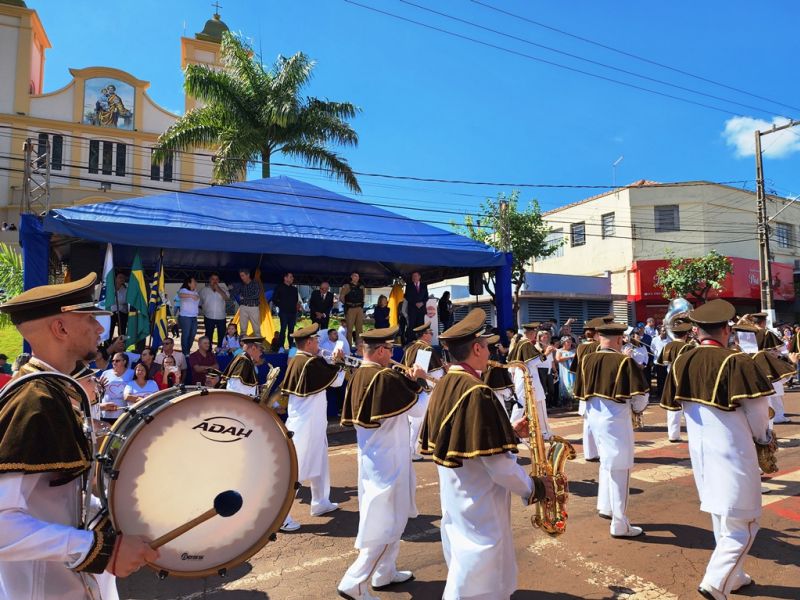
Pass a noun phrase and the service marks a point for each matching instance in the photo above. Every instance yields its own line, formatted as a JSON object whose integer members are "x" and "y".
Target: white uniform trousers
{"x": 612, "y": 497}
{"x": 589, "y": 443}
{"x": 320, "y": 491}
{"x": 378, "y": 562}
{"x": 725, "y": 570}
{"x": 674, "y": 424}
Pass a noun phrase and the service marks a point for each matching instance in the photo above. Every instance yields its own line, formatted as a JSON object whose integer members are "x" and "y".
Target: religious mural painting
{"x": 108, "y": 102}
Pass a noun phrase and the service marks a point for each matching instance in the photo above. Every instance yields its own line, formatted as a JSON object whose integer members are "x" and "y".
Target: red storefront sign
{"x": 743, "y": 283}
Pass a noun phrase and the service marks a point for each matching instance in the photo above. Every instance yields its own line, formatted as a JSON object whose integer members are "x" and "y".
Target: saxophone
{"x": 548, "y": 516}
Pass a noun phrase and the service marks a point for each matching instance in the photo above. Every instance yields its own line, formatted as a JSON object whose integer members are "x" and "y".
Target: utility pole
{"x": 764, "y": 266}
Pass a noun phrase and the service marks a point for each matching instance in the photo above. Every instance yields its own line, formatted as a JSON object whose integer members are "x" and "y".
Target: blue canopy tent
{"x": 278, "y": 224}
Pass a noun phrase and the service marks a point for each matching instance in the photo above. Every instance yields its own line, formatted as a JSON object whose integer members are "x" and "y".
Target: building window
{"x": 56, "y": 149}
{"x": 108, "y": 156}
{"x": 122, "y": 150}
{"x": 155, "y": 168}
{"x": 609, "y": 230}
{"x": 783, "y": 235}
{"x": 554, "y": 238}
{"x": 94, "y": 156}
{"x": 667, "y": 218}
{"x": 577, "y": 234}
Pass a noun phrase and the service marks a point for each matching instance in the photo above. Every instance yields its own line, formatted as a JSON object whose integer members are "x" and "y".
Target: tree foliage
{"x": 10, "y": 277}
{"x": 250, "y": 113}
{"x": 503, "y": 224}
{"x": 694, "y": 277}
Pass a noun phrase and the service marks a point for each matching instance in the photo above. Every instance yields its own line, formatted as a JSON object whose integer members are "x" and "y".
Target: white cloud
{"x": 740, "y": 134}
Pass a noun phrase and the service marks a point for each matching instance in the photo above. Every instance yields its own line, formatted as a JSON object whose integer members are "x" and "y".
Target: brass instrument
{"x": 678, "y": 308}
{"x": 637, "y": 419}
{"x": 551, "y": 516}
{"x": 271, "y": 400}
{"x": 398, "y": 366}
{"x": 348, "y": 361}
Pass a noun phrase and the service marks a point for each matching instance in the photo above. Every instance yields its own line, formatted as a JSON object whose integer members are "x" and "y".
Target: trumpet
{"x": 427, "y": 383}
{"x": 349, "y": 361}
{"x": 637, "y": 419}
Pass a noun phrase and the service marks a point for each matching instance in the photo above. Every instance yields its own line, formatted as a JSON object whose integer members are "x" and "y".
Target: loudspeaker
{"x": 85, "y": 258}
{"x": 475, "y": 283}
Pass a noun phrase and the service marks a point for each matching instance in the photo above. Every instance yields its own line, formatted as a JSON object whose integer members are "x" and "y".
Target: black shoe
{"x": 597, "y": 459}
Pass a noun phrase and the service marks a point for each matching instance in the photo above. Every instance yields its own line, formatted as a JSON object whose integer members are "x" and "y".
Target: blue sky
{"x": 444, "y": 107}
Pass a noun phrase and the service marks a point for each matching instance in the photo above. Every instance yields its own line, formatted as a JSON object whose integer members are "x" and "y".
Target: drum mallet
{"x": 226, "y": 504}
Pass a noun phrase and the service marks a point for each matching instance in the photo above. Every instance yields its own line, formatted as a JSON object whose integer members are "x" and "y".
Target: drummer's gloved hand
{"x": 130, "y": 554}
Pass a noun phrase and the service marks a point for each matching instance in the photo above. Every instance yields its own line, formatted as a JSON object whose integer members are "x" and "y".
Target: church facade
{"x": 98, "y": 130}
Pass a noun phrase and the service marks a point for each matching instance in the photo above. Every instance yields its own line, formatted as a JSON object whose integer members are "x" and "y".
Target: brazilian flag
{"x": 138, "y": 316}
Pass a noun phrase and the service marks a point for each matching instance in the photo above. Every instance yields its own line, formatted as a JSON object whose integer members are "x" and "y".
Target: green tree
{"x": 694, "y": 277}
{"x": 251, "y": 113}
{"x": 501, "y": 223}
{"x": 10, "y": 277}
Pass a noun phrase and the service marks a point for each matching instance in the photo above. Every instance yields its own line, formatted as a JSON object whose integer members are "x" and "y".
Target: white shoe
{"x": 324, "y": 509}
{"x": 290, "y": 524}
{"x": 710, "y": 592}
{"x": 417, "y": 457}
{"x": 742, "y": 581}
{"x": 355, "y": 595}
{"x": 633, "y": 531}
{"x": 399, "y": 577}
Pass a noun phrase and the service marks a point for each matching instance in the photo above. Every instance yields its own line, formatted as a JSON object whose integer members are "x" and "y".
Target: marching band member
{"x": 768, "y": 360}
{"x": 666, "y": 357}
{"x": 499, "y": 381}
{"x": 307, "y": 378}
{"x": 377, "y": 403}
{"x": 588, "y": 346}
{"x": 612, "y": 385}
{"x": 241, "y": 375}
{"x": 723, "y": 395}
{"x": 435, "y": 370}
{"x": 526, "y": 351}
{"x": 472, "y": 444}
{"x": 45, "y": 458}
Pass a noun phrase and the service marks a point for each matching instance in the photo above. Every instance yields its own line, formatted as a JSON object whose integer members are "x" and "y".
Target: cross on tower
{"x": 216, "y": 6}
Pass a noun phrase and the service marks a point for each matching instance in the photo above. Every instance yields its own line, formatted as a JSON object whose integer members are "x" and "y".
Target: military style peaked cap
{"x": 598, "y": 321}
{"x": 305, "y": 332}
{"x": 251, "y": 339}
{"x": 214, "y": 372}
{"x": 423, "y": 328}
{"x": 492, "y": 339}
{"x": 48, "y": 300}
{"x": 376, "y": 336}
{"x": 682, "y": 327}
{"x": 469, "y": 328}
{"x": 715, "y": 312}
{"x": 759, "y": 315}
{"x": 611, "y": 328}
{"x": 532, "y": 325}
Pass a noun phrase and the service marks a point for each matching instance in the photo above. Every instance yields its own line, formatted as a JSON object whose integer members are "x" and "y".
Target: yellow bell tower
{"x": 203, "y": 49}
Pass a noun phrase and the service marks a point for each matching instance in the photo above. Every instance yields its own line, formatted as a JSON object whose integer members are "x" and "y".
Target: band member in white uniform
{"x": 46, "y": 459}
{"x": 526, "y": 351}
{"x": 377, "y": 403}
{"x": 724, "y": 397}
{"x": 241, "y": 375}
{"x": 473, "y": 446}
{"x": 435, "y": 370}
{"x": 666, "y": 357}
{"x": 308, "y": 376}
{"x": 612, "y": 385}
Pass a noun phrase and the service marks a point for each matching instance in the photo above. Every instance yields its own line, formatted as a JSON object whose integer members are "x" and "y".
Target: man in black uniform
{"x": 45, "y": 456}
{"x": 352, "y": 296}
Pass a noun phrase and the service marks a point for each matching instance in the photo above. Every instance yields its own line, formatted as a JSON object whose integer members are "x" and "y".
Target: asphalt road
{"x": 667, "y": 563}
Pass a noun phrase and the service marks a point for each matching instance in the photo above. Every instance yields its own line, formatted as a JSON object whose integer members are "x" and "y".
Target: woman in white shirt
{"x": 114, "y": 381}
{"x": 190, "y": 302}
{"x": 140, "y": 386}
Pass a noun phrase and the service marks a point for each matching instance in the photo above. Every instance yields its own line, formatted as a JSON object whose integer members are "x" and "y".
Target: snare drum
{"x": 165, "y": 461}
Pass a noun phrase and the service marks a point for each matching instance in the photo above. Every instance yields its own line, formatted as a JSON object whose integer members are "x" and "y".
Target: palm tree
{"x": 10, "y": 278}
{"x": 251, "y": 113}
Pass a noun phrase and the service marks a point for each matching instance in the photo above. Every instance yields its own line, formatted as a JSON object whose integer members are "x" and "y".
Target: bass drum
{"x": 168, "y": 457}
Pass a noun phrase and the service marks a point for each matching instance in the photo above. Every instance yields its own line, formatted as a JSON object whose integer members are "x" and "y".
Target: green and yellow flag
{"x": 138, "y": 315}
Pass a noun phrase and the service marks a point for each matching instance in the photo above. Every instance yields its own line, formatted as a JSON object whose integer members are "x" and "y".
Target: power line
{"x": 632, "y": 55}
{"x": 541, "y": 60}
{"x": 584, "y": 59}
{"x": 327, "y": 210}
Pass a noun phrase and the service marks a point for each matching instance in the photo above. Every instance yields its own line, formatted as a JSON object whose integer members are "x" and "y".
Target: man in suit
{"x": 320, "y": 305}
{"x": 416, "y": 296}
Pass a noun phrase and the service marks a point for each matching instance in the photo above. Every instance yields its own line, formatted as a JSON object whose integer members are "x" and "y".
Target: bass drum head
{"x": 196, "y": 446}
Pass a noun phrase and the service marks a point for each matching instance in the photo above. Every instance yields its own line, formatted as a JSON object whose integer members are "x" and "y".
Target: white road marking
{"x": 604, "y": 577}
{"x": 788, "y": 484}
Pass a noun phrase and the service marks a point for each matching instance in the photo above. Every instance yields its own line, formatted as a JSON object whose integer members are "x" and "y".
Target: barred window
{"x": 608, "y": 227}
{"x": 577, "y": 233}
